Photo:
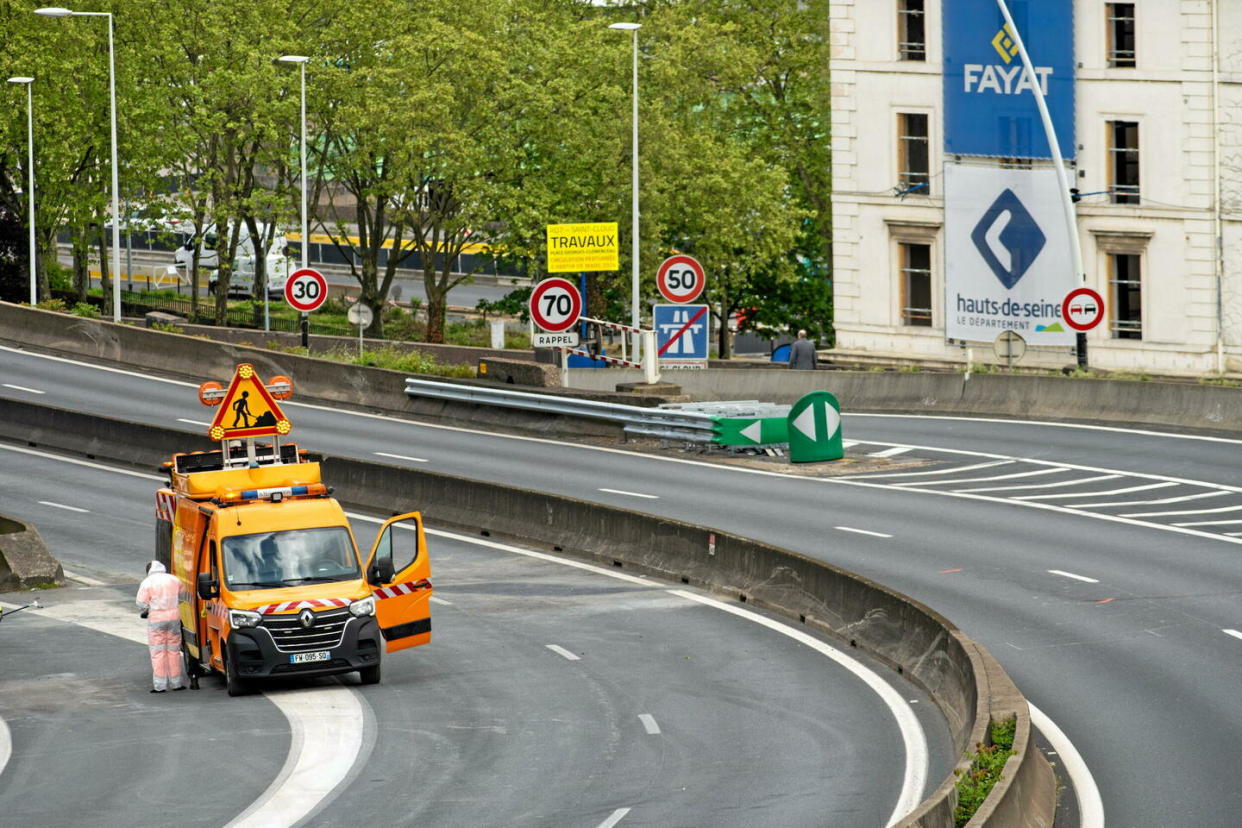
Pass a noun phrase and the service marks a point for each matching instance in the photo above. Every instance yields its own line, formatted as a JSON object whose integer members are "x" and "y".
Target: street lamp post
{"x": 302, "y": 60}
{"x": 633, "y": 29}
{"x": 30, "y": 180}
{"x": 116, "y": 201}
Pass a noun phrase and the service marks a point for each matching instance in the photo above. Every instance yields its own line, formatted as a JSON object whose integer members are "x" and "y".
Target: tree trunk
{"x": 722, "y": 339}
{"x": 45, "y": 254}
{"x": 105, "y": 279}
{"x": 81, "y": 264}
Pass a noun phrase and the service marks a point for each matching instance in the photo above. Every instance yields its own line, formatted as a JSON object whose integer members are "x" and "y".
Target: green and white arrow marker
{"x": 750, "y": 431}
{"x": 815, "y": 429}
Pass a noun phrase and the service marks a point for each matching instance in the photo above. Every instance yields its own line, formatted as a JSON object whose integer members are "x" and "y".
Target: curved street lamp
{"x": 55, "y": 11}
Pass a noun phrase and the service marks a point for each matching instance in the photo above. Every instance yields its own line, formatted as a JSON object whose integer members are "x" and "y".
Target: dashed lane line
{"x": 862, "y": 531}
{"x": 562, "y": 652}
{"x": 615, "y": 817}
{"x": 630, "y": 494}
{"x": 1065, "y": 574}
{"x": 400, "y": 457}
{"x": 649, "y": 724}
{"x": 1234, "y": 633}
{"x": 24, "y": 388}
{"x": 193, "y": 422}
{"x": 55, "y": 505}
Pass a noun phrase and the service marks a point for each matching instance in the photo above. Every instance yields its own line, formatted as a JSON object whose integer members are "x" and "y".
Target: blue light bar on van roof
{"x": 286, "y": 491}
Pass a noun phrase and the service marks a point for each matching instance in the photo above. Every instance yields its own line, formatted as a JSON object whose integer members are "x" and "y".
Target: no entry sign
{"x": 306, "y": 290}
{"x": 1082, "y": 309}
{"x": 555, "y": 304}
{"x": 680, "y": 279}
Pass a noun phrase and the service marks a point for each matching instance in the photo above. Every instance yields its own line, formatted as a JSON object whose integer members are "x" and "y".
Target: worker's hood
{"x": 155, "y": 567}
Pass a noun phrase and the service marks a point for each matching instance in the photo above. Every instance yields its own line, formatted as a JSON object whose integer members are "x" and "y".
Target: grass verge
{"x": 974, "y": 785}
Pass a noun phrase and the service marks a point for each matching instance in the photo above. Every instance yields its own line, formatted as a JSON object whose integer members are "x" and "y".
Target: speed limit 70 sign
{"x": 306, "y": 290}
{"x": 680, "y": 279}
{"x": 555, "y": 304}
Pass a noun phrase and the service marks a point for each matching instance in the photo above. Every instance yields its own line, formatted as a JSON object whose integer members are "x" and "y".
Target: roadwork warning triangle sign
{"x": 248, "y": 409}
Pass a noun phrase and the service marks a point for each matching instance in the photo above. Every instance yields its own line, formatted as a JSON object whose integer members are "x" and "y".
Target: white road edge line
{"x": 649, "y": 724}
{"x": 630, "y": 494}
{"x": 862, "y": 531}
{"x": 1090, "y": 806}
{"x": 561, "y": 651}
{"x": 915, "y": 778}
{"x": 1065, "y": 574}
{"x": 1234, "y": 633}
{"x": 74, "y": 576}
{"x": 6, "y": 745}
{"x": 193, "y": 422}
{"x": 400, "y": 457}
{"x": 77, "y": 462}
{"x": 890, "y": 452}
{"x": 63, "y": 506}
{"x": 24, "y": 388}
{"x": 615, "y": 817}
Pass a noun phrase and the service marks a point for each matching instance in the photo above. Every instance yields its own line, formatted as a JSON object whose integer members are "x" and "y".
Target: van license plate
{"x": 303, "y": 658}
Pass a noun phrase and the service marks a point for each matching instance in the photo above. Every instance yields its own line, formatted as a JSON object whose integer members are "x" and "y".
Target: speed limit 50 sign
{"x": 306, "y": 290}
{"x": 555, "y": 304}
{"x": 680, "y": 279}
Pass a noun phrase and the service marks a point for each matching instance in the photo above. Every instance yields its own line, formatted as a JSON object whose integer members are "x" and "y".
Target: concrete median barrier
{"x": 968, "y": 685}
{"x": 25, "y": 561}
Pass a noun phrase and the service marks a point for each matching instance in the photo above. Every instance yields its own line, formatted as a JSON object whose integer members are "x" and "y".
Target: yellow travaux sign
{"x": 581, "y": 248}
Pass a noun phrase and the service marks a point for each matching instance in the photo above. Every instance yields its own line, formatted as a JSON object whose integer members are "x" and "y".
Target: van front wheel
{"x": 235, "y": 685}
{"x": 370, "y": 675}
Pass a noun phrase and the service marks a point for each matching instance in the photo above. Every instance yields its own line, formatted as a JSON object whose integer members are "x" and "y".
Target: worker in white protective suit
{"x": 158, "y": 595}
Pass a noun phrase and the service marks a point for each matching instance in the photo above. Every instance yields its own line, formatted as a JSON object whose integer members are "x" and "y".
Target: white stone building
{"x": 1158, "y": 128}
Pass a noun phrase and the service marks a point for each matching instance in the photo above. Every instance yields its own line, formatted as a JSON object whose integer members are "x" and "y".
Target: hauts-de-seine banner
{"x": 988, "y": 105}
{"x": 1008, "y": 263}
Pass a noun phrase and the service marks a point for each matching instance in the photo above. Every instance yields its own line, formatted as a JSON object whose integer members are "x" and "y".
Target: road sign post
{"x": 680, "y": 279}
{"x": 1082, "y": 310}
{"x": 305, "y": 291}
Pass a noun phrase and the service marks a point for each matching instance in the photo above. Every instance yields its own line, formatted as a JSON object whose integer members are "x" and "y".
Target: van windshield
{"x": 266, "y": 560}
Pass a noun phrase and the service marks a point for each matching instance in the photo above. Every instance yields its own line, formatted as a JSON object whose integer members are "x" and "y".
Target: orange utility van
{"x": 272, "y": 582}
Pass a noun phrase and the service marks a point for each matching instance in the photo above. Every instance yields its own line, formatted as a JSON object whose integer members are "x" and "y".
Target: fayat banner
{"x": 1007, "y": 255}
{"x": 989, "y": 108}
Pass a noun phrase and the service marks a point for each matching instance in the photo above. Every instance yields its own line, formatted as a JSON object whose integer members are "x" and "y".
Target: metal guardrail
{"x": 672, "y": 424}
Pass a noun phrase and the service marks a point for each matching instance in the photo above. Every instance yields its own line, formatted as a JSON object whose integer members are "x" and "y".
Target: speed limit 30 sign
{"x": 306, "y": 290}
{"x": 555, "y": 304}
{"x": 680, "y": 279}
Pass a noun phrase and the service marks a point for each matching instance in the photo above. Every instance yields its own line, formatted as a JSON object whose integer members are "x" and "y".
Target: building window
{"x": 1126, "y": 289}
{"x": 1123, "y": 161}
{"x": 913, "y": 162}
{"x": 1120, "y": 34}
{"x": 911, "y": 36}
{"x": 916, "y": 291}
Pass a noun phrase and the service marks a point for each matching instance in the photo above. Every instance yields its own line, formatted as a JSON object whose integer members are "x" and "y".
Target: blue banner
{"x": 989, "y": 108}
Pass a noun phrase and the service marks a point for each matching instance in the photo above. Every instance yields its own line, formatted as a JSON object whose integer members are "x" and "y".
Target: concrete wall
{"x": 968, "y": 685}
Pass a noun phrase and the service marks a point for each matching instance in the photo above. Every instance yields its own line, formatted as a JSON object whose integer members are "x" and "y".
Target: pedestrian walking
{"x": 158, "y": 595}
{"x": 802, "y": 353}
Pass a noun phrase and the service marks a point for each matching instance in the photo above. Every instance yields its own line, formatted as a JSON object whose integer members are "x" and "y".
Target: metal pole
{"x": 34, "y": 289}
{"x": 116, "y": 199}
{"x": 305, "y": 231}
{"x": 1071, "y": 222}
{"x": 634, "y": 199}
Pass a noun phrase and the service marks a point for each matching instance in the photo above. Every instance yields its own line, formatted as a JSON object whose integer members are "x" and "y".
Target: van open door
{"x": 398, "y": 570}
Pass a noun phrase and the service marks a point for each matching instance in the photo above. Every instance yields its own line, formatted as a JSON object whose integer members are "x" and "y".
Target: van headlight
{"x": 364, "y": 607}
{"x": 243, "y": 618}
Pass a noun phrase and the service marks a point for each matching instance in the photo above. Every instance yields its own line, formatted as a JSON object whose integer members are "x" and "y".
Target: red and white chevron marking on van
{"x": 295, "y": 606}
{"x": 165, "y": 505}
{"x": 397, "y": 590}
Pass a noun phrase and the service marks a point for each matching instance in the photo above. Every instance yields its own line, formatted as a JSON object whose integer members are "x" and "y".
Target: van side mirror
{"x": 207, "y": 586}
{"x": 381, "y": 572}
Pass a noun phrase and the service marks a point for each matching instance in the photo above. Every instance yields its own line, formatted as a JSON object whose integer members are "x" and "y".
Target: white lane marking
{"x": 615, "y": 817}
{"x": 435, "y": 599}
{"x": 1184, "y": 512}
{"x": 630, "y": 494}
{"x": 1036, "y": 473}
{"x": 890, "y": 452}
{"x": 6, "y": 745}
{"x": 400, "y": 457}
{"x": 74, "y": 576}
{"x": 1090, "y": 806}
{"x": 862, "y": 531}
{"x": 649, "y": 724}
{"x": 561, "y": 651}
{"x": 327, "y": 725}
{"x": 1064, "y": 495}
{"x": 1078, "y": 481}
{"x": 1126, "y": 490}
{"x": 1211, "y": 523}
{"x": 1050, "y": 424}
{"x": 77, "y": 462}
{"x": 1234, "y": 534}
{"x": 24, "y": 388}
{"x": 63, "y": 506}
{"x": 953, "y": 470}
{"x": 1065, "y": 574}
{"x": 1159, "y": 502}
{"x": 194, "y": 422}
{"x": 849, "y": 443}
{"x": 911, "y": 731}
{"x": 1234, "y": 633}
